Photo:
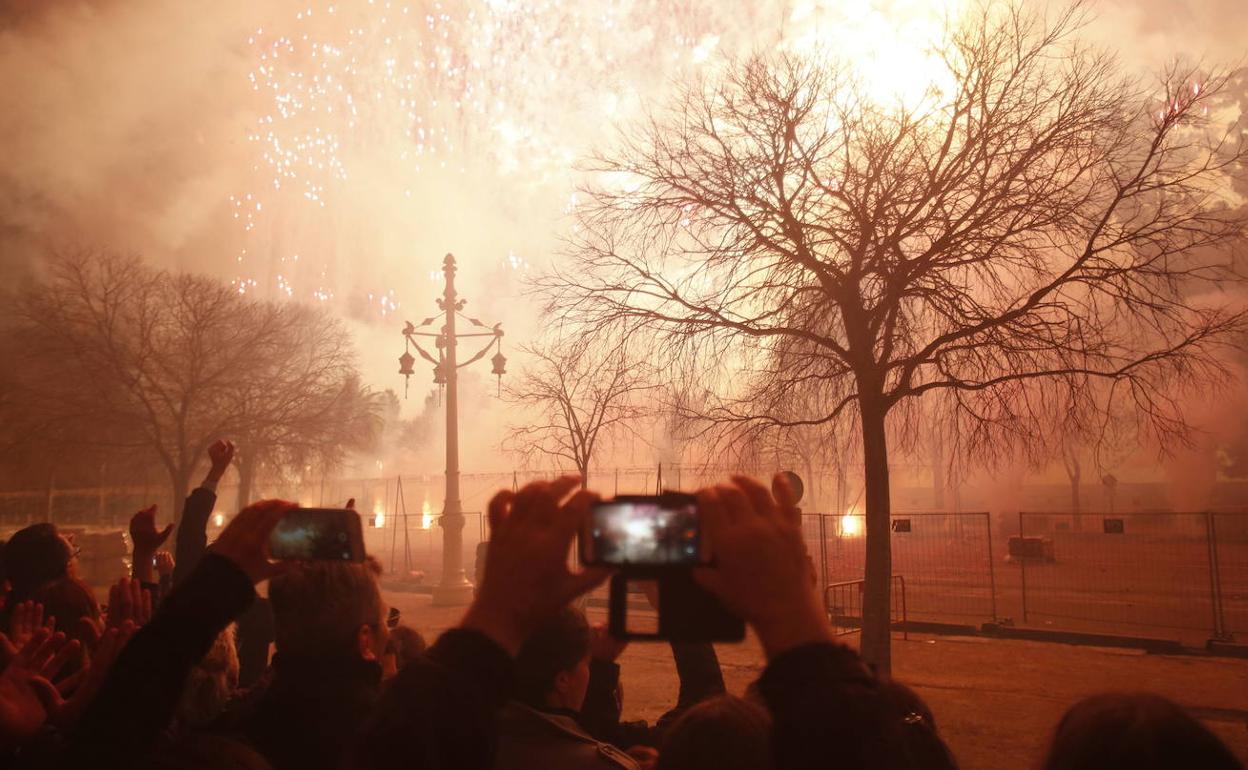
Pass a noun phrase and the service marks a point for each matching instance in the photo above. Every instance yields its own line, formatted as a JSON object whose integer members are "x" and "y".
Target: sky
{"x": 334, "y": 150}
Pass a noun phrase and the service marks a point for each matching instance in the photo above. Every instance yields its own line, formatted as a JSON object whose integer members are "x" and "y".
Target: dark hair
{"x": 914, "y": 727}
{"x": 725, "y": 732}
{"x": 33, "y": 557}
{"x": 557, "y": 645}
{"x": 1139, "y": 731}
{"x": 407, "y": 644}
{"x": 319, "y": 607}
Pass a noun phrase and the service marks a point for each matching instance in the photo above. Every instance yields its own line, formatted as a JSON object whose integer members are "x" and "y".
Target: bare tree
{"x": 116, "y": 353}
{"x": 313, "y": 422}
{"x": 1040, "y": 224}
{"x": 579, "y": 394}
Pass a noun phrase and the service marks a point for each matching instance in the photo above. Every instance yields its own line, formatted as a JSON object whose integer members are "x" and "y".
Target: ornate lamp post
{"x": 454, "y": 588}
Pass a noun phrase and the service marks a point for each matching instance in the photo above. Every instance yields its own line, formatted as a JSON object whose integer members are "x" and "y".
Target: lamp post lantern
{"x": 453, "y": 588}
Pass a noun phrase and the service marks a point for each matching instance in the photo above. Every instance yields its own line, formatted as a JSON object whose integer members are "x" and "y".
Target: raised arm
{"x": 192, "y": 536}
{"x": 821, "y": 696}
{"x": 137, "y": 700}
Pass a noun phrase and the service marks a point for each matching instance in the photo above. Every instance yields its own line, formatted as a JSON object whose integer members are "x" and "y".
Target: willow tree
{"x": 1039, "y": 223}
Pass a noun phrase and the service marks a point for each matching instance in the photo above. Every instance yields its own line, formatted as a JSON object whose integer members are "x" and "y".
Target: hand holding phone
{"x": 245, "y": 541}
{"x": 318, "y": 534}
{"x": 657, "y": 538}
{"x": 641, "y": 531}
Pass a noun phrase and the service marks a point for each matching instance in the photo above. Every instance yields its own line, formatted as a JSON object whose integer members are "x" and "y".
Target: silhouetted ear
{"x": 559, "y": 689}
{"x": 364, "y": 642}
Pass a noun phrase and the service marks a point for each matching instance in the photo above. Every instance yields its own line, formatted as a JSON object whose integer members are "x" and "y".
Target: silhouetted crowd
{"x": 176, "y": 673}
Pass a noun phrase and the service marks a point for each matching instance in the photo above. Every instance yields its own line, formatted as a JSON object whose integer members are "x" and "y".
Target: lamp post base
{"x": 453, "y": 595}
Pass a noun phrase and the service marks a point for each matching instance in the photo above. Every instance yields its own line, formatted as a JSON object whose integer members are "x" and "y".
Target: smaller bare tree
{"x": 579, "y": 395}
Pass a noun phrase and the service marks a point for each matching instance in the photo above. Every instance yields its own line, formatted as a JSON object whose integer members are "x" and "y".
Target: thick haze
{"x": 142, "y": 125}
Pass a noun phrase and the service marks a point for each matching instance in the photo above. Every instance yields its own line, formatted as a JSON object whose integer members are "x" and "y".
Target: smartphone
{"x": 318, "y": 534}
{"x": 645, "y": 531}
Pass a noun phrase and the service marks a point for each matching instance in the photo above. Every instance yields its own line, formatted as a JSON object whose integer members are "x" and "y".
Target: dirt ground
{"x": 996, "y": 701}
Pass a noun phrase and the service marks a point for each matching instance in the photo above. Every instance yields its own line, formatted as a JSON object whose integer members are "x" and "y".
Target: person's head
{"x": 725, "y": 732}
{"x": 328, "y": 609}
{"x": 35, "y": 556}
{"x": 69, "y": 600}
{"x": 406, "y": 644}
{"x": 552, "y": 668}
{"x": 211, "y": 683}
{"x": 1139, "y": 731}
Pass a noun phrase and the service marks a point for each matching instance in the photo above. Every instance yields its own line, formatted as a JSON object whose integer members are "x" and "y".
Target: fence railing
{"x": 1229, "y": 533}
{"x": 1178, "y": 576}
{"x": 946, "y": 560}
{"x": 1181, "y": 576}
{"x": 843, "y": 602}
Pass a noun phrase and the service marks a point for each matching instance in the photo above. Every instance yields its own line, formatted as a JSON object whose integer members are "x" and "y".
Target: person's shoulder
{"x": 541, "y": 739}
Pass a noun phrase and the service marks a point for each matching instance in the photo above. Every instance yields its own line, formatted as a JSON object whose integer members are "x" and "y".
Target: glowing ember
{"x": 368, "y": 112}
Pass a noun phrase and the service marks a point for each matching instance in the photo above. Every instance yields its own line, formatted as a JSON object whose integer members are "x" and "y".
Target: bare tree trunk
{"x": 1074, "y": 492}
{"x": 876, "y": 625}
{"x": 247, "y": 463}
{"x": 51, "y": 493}
{"x": 938, "y": 472}
{"x": 842, "y": 485}
{"x": 1074, "y": 471}
{"x": 181, "y": 484}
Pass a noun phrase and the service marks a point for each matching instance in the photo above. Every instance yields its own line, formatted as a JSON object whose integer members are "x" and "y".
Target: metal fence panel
{"x": 1230, "y": 538}
{"x": 1133, "y": 574}
{"x": 1181, "y": 576}
{"x": 944, "y": 558}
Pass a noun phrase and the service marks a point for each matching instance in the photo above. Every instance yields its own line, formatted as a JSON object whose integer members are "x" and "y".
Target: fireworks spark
{"x": 368, "y": 110}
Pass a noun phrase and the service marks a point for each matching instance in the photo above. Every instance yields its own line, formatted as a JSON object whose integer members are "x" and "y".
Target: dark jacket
{"x": 309, "y": 715}
{"x": 530, "y": 739}
{"x": 700, "y": 678}
{"x": 826, "y": 706}
{"x": 191, "y": 539}
{"x": 441, "y": 711}
{"x": 255, "y": 626}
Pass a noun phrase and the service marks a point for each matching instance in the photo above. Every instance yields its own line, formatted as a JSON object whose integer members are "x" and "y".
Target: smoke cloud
{"x": 140, "y": 125}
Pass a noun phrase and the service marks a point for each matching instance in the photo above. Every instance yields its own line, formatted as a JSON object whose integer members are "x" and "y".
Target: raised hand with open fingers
{"x": 25, "y": 681}
{"x": 164, "y": 564}
{"x": 761, "y": 571}
{"x": 146, "y": 540}
{"x": 129, "y": 601}
{"x": 66, "y": 701}
{"x": 526, "y": 569}
{"x": 143, "y": 532}
{"x": 26, "y": 618}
